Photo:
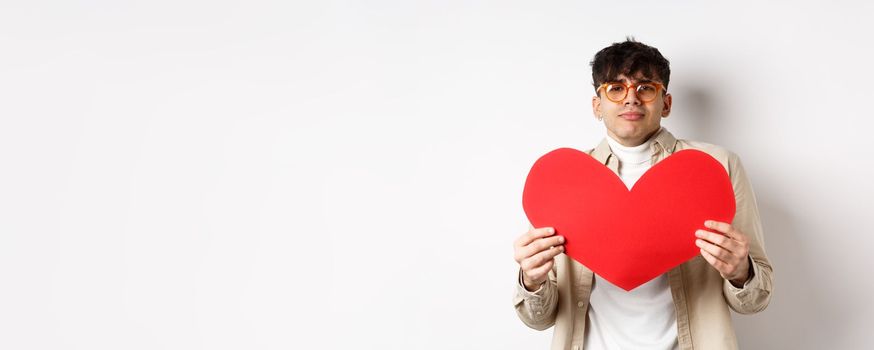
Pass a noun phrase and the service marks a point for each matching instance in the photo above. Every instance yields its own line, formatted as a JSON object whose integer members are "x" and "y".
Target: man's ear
{"x": 666, "y": 108}
{"x": 596, "y": 106}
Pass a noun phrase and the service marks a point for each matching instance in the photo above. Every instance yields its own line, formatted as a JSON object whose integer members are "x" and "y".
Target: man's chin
{"x": 630, "y": 134}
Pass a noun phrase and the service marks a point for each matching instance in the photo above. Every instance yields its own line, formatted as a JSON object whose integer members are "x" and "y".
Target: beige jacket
{"x": 702, "y": 298}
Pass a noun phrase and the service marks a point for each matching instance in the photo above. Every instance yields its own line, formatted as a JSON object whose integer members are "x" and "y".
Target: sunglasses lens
{"x": 647, "y": 92}
{"x": 615, "y": 92}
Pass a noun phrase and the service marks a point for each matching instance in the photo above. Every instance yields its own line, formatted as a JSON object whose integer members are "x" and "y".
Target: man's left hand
{"x": 727, "y": 252}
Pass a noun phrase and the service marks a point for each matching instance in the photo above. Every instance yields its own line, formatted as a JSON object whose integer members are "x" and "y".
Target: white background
{"x": 348, "y": 174}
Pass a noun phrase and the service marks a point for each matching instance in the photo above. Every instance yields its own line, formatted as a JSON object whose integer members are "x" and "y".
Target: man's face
{"x": 631, "y": 121}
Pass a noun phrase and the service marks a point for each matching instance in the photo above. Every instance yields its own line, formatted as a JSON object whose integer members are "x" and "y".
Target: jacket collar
{"x": 663, "y": 141}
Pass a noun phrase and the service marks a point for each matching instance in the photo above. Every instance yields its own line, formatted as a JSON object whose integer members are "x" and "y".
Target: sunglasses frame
{"x": 659, "y": 88}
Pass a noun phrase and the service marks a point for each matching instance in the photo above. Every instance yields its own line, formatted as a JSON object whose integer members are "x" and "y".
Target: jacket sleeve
{"x": 755, "y": 294}
{"x": 537, "y": 309}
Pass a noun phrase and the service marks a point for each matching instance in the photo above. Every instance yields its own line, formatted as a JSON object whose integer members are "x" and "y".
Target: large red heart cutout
{"x": 628, "y": 237}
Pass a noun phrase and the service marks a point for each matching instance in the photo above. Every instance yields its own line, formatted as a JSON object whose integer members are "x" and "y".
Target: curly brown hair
{"x": 629, "y": 58}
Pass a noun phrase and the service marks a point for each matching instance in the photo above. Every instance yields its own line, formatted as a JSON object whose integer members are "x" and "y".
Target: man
{"x": 685, "y": 308}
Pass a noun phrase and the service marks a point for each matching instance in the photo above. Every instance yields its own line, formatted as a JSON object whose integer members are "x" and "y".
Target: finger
{"x": 541, "y": 258}
{"x": 723, "y": 227}
{"x": 717, "y": 225}
{"x": 542, "y": 244}
{"x": 541, "y": 271}
{"x": 734, "y": 233}
{"x": 716, "y": 238}
{"x": 538, "y": 246}
{"x": 714, "y": 250}
{"x": 534, "y": 234}
{"x": 719, "y": 265}
{"x": 738, "y": 249}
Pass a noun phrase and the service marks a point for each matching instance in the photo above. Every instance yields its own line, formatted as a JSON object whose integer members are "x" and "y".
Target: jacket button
{"x": 581, "y": 304}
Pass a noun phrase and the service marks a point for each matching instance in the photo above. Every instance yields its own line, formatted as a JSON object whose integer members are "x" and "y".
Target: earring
{"x": 600, "y": 117}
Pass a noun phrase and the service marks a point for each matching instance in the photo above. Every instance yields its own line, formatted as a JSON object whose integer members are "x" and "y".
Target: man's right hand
{"x": 535, "y": 252}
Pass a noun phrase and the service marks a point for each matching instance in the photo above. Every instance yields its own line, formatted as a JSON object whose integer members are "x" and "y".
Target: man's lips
{"x": 631, "y": 115}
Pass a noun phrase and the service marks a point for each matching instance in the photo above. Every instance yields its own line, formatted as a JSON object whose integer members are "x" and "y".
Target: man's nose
{"x": 631, "y": 97}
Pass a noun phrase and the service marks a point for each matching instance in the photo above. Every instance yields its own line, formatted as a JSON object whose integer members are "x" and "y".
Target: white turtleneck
{"x": 643, "y": 318}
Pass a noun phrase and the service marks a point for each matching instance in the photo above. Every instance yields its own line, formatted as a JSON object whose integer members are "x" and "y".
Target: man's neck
{"x": 637, "y": 142}
{"x": 630, "y": 155}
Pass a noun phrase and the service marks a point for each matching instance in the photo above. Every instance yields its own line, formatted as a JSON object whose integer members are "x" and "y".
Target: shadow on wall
{"x": 803, "y": 313}
{"x": 773, "y": 327}
{"x": 700, "y": 118}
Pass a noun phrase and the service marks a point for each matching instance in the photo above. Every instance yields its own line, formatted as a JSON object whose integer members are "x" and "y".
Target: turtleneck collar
{"x": 631, "y": 155}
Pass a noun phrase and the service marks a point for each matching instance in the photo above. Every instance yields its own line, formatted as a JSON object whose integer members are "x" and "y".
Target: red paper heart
{"x": 628, "y": 237}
